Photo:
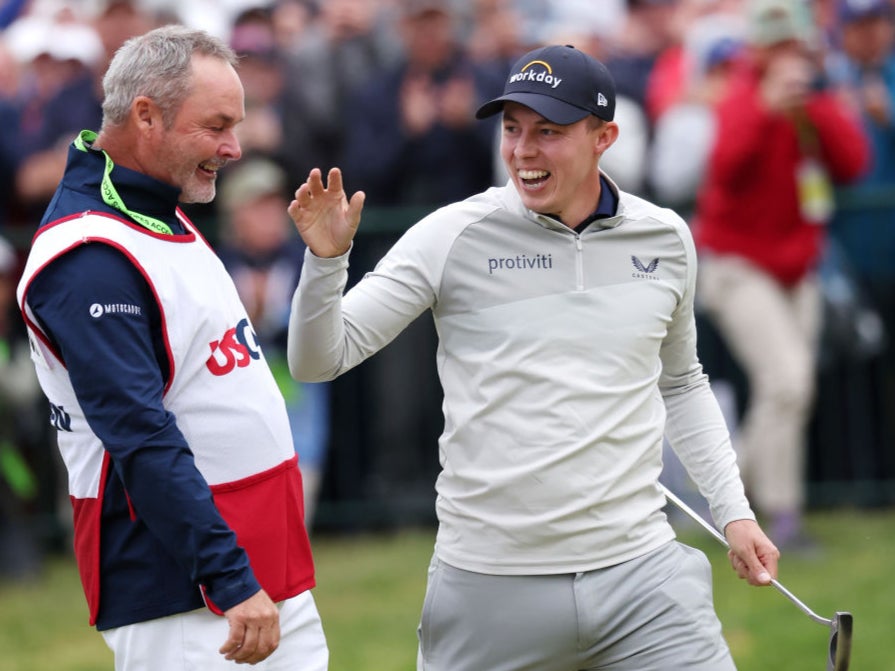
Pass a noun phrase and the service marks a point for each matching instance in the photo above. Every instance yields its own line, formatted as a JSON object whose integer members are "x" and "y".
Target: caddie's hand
{"x": 752, "y": 554}
{"x": 326, "y": 220}
{"x": 254, "y": 630}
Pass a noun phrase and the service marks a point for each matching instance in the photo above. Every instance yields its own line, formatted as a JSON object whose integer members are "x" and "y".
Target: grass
{"x": 371, "y": 588}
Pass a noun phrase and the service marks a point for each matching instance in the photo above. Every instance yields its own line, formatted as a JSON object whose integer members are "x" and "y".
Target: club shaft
{"x": 671, "y": 496}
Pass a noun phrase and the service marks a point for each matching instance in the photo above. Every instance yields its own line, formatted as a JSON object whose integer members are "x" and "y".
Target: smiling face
{"x": 554, "y": 167}
{"x": 201, "y": 138}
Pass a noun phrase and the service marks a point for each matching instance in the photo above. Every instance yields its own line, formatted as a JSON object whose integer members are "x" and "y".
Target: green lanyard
{"x": 110, "y": 193}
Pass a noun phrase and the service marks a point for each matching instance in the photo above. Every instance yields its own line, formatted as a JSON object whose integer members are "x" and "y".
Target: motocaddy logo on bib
{"x": 536, "y": 71}
{"x": 237, "y": 349}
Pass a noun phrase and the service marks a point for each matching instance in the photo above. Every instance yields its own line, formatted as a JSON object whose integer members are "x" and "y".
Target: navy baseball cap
{"x": 560, "y": 83}
{"x": 855, "y": 10}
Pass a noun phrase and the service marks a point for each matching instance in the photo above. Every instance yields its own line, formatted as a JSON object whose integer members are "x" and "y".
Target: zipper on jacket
{"x": 579, "y": 262}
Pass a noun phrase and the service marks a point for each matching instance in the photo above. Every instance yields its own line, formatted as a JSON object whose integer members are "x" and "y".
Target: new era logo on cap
{"x": 560, "y": 83}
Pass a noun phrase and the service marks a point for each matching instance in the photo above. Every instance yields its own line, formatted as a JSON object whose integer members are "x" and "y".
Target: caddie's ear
{"x": 146, "y": 115}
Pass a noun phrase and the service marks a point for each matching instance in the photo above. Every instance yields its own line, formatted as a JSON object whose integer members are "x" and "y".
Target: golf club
{"x": 841, "y": 623}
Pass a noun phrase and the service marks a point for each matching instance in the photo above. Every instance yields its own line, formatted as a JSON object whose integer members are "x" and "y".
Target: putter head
{"x": 840, "y": 641}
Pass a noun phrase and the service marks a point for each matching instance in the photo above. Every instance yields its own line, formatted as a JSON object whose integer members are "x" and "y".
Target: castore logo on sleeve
{"x": 236, "y": 349}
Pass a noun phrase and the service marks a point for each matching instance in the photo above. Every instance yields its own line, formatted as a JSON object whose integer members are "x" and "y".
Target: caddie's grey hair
{"x": 157, "y": 65}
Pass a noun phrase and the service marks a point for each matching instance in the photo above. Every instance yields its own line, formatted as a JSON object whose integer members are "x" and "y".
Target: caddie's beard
{"x": 195, "y": 195}
{"x": 195, "y": 189}
{"x": 197, "y": 185}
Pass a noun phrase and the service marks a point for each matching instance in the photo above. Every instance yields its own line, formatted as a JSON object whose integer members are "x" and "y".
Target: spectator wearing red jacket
{"x": 783, "y": 141}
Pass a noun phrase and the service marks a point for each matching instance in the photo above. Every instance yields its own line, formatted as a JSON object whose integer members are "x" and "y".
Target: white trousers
{"x": 190, "y": 642}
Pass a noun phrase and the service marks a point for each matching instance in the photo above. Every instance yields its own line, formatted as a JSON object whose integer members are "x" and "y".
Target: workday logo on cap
{"x": 560, "y": 83}
{"x": 536, "y": 71}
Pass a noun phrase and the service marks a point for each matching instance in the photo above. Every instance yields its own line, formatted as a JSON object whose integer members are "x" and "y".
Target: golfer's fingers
{"x": 315, "y": 183}
{"x": 302, "y": 197}
{"x": 355, "y": 206}
{"x": 769, "y": 555}
{"x": 738, "y": 565}
{"x": 751, "y": 568}
{"x": 334, "y": 181}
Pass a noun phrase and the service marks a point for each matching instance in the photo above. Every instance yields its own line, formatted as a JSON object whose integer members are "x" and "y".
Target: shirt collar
{"x": 141, "y": 192}
{"x": 606, "y": 207}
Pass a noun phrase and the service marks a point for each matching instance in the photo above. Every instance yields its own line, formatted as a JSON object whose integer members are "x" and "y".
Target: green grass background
{"x": 371, "y": 588}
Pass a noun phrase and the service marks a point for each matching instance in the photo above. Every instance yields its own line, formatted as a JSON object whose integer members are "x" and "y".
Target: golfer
{"x": 182, "y": 471}
{"x": 567, "y": 349}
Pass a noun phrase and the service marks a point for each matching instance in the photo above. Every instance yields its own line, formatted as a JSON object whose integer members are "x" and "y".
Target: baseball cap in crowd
{"x": 249, "y": 180}
{"x": 252, "y": 35}
{"x": 774, "y": 21}
{"x": 34, "y": 35}
{"x": 560, "y": 83}
{"x": 855, "y": 10}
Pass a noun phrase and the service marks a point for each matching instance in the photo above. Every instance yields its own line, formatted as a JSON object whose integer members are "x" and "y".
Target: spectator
{"x": 670, "y": 78}
{"x": 500, "y": 30}
{"x": 293, "y": 22}
{"x": 760, "y": 228}
{"x": 411, "y": 138}
{"x": 62, "y": 54}
{"x": 116, "y": 21}
{"x": 264, "y": 256}
{"x": 347, "y": 44}
{"x": 864, "y": 68}
{"x": 649, "y": 29}
{"x": 65, "y": 60}
{"x": 282, "y": 122}
{"x": 684, "y": 132}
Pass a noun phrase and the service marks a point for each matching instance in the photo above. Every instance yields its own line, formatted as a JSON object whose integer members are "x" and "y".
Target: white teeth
{"x": 532, "y": 174}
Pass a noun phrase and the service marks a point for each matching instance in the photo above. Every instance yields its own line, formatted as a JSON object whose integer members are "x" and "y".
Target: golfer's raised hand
{"x": 752, "y": 554}
{"x": 323, "y": 215}
{"x": 254, "y": 630}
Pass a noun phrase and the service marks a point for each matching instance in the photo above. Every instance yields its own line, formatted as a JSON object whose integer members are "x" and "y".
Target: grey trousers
{"x": 653, "y": 613}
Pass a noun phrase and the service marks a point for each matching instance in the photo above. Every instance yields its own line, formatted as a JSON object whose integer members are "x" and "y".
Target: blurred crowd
{"x": 386, "y": 89}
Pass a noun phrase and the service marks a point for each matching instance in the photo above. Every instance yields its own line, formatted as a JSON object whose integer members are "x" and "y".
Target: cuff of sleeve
{"x": 222, "y": 598}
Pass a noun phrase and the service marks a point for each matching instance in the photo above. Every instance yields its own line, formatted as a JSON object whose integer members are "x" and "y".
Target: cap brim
{"x": 553, "y": 110}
